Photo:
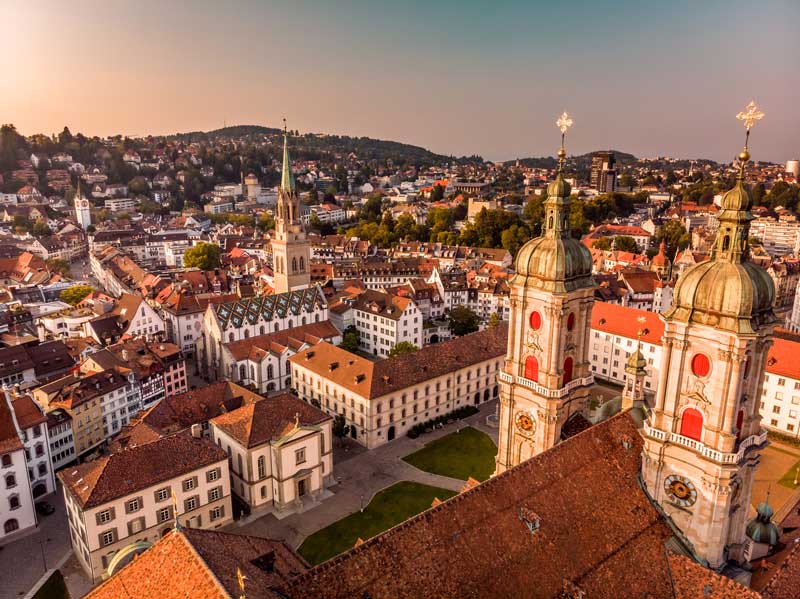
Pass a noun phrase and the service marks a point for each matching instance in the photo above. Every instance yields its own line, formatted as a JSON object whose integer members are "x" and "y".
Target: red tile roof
{"x": 624, "y": 321}
{"x": 256, "y": 348}
{"x": 9, "y": 439}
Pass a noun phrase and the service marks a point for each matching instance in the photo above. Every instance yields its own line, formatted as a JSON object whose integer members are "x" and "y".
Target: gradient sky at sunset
{"x": 456, "y": 77}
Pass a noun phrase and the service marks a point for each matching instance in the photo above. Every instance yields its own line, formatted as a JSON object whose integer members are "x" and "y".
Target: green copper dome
{"x": 554, "y": 264}
{"x": 737, "y": 198}
{"x": 762, "y": 529}
{"x": 559, "y": 188}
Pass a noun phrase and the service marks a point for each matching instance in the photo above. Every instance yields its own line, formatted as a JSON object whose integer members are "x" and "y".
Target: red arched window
{"x": 536, "y": 320}
{"x": 739, "y": 421}
{"x": 571, "y": 321}
{"x": 532, "y": 369}
{"x": 701, "y": 365}
{"x": 692, "y": 424}
{"x": 567, "y": 370}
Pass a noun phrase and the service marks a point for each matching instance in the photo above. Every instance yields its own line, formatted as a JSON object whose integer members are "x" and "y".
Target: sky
{"x": 490, "y": 78}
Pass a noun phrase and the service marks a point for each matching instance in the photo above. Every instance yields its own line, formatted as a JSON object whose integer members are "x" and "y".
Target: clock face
{"x": 680, "y": 490}
{"x": 525, "y": 423}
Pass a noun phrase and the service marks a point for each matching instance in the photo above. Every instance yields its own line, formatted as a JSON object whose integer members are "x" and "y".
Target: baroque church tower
{"x": 547, "y": 376}
{"x": 703, "y": 437}
{"x": 291, "y": 252}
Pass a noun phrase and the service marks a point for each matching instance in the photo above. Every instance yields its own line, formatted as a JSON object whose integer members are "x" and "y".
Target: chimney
{"x": 197, "y": 431}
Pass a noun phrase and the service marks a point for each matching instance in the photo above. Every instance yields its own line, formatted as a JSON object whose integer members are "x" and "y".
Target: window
{"x": 781, "y": 382}
{"x": 11, "y": 481}
{"x": 262, "y": 467}
{"x": 191, "y": 503}
{"x": 213, "y": 475}
{"x": 104, "y": 516}
{"x": 300, "y": 456}
{"x": 163, "y": 514}
{"x": 162, "y": 494}
{"x": 13, "y": 502}
{"x": 107, "y": 538}
{"x": 10, "y": 525}
{"x": 217, "y": 512}
{"x": 133, "y": 505}
{"x": 215, "y": 493}
{"x": 189, "y": 484}
{"x": 6, "y": 462}
{"x": 776, "y": 409}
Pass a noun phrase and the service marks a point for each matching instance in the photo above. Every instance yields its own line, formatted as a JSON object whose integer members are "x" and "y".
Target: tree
{"x": 204, "y": 256}
{"x": 514, "y": 238}
{"x": 604, "y": 243}
{"x": 494, "y": 320}
{"x": 674, "y": 235}
{"x": 402, "y": 348}
{"x": 350, "y": 339}
{"x": 462, "y": 321}
{"x": 371, "y": 212}
{"x": 626, "y": 244}
{"x": 73, "y": 295}
{"x": 60, "y": 266}
{"x": 340, "y": 427}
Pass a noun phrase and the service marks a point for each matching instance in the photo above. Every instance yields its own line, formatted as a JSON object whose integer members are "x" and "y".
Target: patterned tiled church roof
{"x": 264, "y": 308}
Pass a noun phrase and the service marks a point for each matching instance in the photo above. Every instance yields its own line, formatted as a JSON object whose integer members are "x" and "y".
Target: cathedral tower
{"x": 290, "y": 248}
{"x": 82, "y": 210}
{"x": 703, "y": 438}
{"x": 546, "y": 376}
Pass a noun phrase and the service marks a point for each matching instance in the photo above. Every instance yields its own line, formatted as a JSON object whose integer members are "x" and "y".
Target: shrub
{"x": 457, "y": 414}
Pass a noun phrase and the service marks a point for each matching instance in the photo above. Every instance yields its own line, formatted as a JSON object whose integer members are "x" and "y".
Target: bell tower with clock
{"x": 703, "y": 438}
{"x": 546, "y": 377}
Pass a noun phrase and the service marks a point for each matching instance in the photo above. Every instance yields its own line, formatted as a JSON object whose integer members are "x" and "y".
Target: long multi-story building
{"x": 141, "y": 493}
{"x": 383, "y": 320}
{"x": 382, "y": 400}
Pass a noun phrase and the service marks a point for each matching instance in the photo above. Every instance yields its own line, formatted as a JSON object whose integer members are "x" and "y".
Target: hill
{"x": 314, "y": 145}
{"x": 581, "y": 162}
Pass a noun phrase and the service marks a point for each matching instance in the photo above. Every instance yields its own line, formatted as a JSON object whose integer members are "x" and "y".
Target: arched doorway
{"x": 390, "y": 434}
{"x": 39, "y": 489}
{"x": 486, "y": 395}
{"x": 434, "y": 339}
{"x": 532, "y": 369}
{"x": 567, "y": 370}
{"x": 477, "y": 399}
{"x": 692, "y": 424}
{"x": 353, "y": 432}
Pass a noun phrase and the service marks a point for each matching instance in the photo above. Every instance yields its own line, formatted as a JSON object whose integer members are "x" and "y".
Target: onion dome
{"x": 762, "y": 529}
{"x": 636, "y": 363}
{"x": 727, "y": 292}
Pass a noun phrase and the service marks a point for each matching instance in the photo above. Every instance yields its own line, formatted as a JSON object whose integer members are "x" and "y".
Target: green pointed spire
{"x": 287, "y": 177}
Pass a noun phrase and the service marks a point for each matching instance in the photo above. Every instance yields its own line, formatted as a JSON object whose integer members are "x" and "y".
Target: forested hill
{"x": 581, "y": 162}
{"x": 312, "y": 145}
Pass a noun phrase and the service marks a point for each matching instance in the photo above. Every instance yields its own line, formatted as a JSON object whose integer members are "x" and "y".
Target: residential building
{"x": 32, "y": 423}
{"x": 141, "y": 493}
{"x": 120, "y": 204}
{"x": 383, "y": 320}
{"x": 17, "y": 514}
{"x": 280, "y": 452}
{"x": 131, "y": 315}
{"x": 60, "y": 437}
{"x": 382, "y": 400}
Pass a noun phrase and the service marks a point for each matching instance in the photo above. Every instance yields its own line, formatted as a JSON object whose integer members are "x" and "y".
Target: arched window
{"x": 13, "y": 502}
{"x": 496, "y": 391}
{"x": 230, "y": 337}
{"x": 739, "y": 421}
{"x": 11, "y": 481}
{"x": 571, "y": 321}
{"x": 294, "y": 265}
{"x": 316, "y": 317}
{"x": 277, "y": 327}
{"x": 302, "y": 264}
{"x": 10, "y": 525}
{"x": 726, "y": 243}
{"x": 304, "y": 320}
{"x": 252, "y": 372}
{"x": 291, "y": 324}
{"x": 262, "y": 467}
{"x": 550, "y": 223}
{"x": 239, "y": 462}
{"x": 246, "y": 334}
{"x": 39, "y": 450}
{"x": 270, "y": 371}
{"x": 692, "y": 424}
{"x": 261, "y": 330}
{"x": 6, "y": 460}
{"x": 567, "y": 370}
{"x": 532, "y": 369}
{"x": 242, "y": 372}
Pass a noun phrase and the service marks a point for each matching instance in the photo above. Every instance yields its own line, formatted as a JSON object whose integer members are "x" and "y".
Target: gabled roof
{"x": 136, "y": 468}
{"x": 264, "y": 308}
{"x": 269, "y": 419}
{"x": 258, "y": 347}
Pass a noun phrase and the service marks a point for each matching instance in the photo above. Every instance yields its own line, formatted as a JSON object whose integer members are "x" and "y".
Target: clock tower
{"x": 703, "y": 438}
{"x": 546, "y": 377}
{"x": 291, "y": 252}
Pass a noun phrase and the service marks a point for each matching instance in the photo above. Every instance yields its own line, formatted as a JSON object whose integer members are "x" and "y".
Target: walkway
{"x": 359, "y": 479}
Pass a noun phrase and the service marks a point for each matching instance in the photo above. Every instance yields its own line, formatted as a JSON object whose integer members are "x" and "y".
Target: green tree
{"x": 674, "y": 235}
{"x": 494, "y": 320}
{"x": 340, "y": 427}
{"x": 371, "y": 211}
{"x": 437, "y": 193}
{"x": 626, "y": 244}
{"x": 60, "y": 266}
{"x": 204, "y": 256}
{"x": 73, "y": 295}
{"x": 350, "y": 339}
{"x": 604, "y": 243}
{"x": 40, "y": 229}
{"x": 514, "y": 238}
{"x": 266, "y": 222}
{"x": 462, "y": 321}
{"x": 402, "y": 348}
{"x": 313, "y": 197}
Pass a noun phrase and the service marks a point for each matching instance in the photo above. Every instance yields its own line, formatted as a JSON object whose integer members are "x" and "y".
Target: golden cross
{"x": 641, "y": 320}
{"x": 564, "y": 122}
{"x": 240, "y": 578}
{"x": 284, "y": 125}
{"x": 750, "y": 115}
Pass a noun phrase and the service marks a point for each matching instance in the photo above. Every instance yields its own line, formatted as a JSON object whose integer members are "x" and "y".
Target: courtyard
{"x": 388, "y": 508}
{"x": 467, "y": 453}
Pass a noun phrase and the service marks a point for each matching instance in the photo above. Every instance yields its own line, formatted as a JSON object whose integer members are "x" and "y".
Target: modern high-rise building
{"x": 603, "y": 176}
{"x": 793, "y": 167}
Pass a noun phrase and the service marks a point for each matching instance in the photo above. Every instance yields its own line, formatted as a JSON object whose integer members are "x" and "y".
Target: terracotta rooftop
{"x": 256, "y": 348}
{"x": 268, "y": 419}
{"x": 375, "y": 379}
{"x": 135, "y": 468}
{"x": 201, "y": 564}
{"x": 9, "y": 439}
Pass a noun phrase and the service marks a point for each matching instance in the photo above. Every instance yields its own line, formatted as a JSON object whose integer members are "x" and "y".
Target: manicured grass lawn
{"x": 458, "y": 455}
{"x": 54, "y": 588}
{"x": 787, "y": 480}
{"x": 388, "y": 508}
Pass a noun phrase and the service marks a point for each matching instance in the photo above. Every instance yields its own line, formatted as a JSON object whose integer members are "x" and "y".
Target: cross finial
{"x": 563, "y": 123}
{"x": 749, "y": 117}
{"x": 240, "y": 578}
{"x": 284, "y": 125}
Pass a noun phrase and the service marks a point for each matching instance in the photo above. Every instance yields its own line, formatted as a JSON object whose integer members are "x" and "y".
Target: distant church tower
{"x": 547, "y": 376}
{"x": 703, "y": 438}
{"x": 291, "y": 252}
{"x": 82, "y": 213}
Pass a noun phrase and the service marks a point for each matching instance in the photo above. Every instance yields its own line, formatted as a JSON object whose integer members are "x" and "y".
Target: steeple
{"x": 635, "y": 373}
{"x": 287, "y": 177}
{"x": 556, "y": 205}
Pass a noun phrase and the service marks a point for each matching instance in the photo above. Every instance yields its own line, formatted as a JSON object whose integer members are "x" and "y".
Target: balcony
{"x": 544, "y": 391}
{"x": 704, "y": 450}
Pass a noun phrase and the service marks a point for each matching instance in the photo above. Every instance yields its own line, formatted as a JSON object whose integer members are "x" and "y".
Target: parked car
{"x": 44, "y": 508}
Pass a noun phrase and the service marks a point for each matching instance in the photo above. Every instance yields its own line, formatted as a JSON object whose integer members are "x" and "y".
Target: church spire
{"x": 287, "y": 177}
{"x": 558, "y": 192}
{"x": 734, "y": 219}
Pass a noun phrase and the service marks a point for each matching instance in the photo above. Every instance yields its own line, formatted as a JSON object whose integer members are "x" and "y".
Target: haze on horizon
{"x": 650, "y": 78}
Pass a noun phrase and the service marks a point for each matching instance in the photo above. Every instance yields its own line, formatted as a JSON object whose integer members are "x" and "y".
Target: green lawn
{"x": 787, "y": 480}
{"x": 458, "y": 455}
{"x": 388, "y": 508}
{"x": 54, "y": 588}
